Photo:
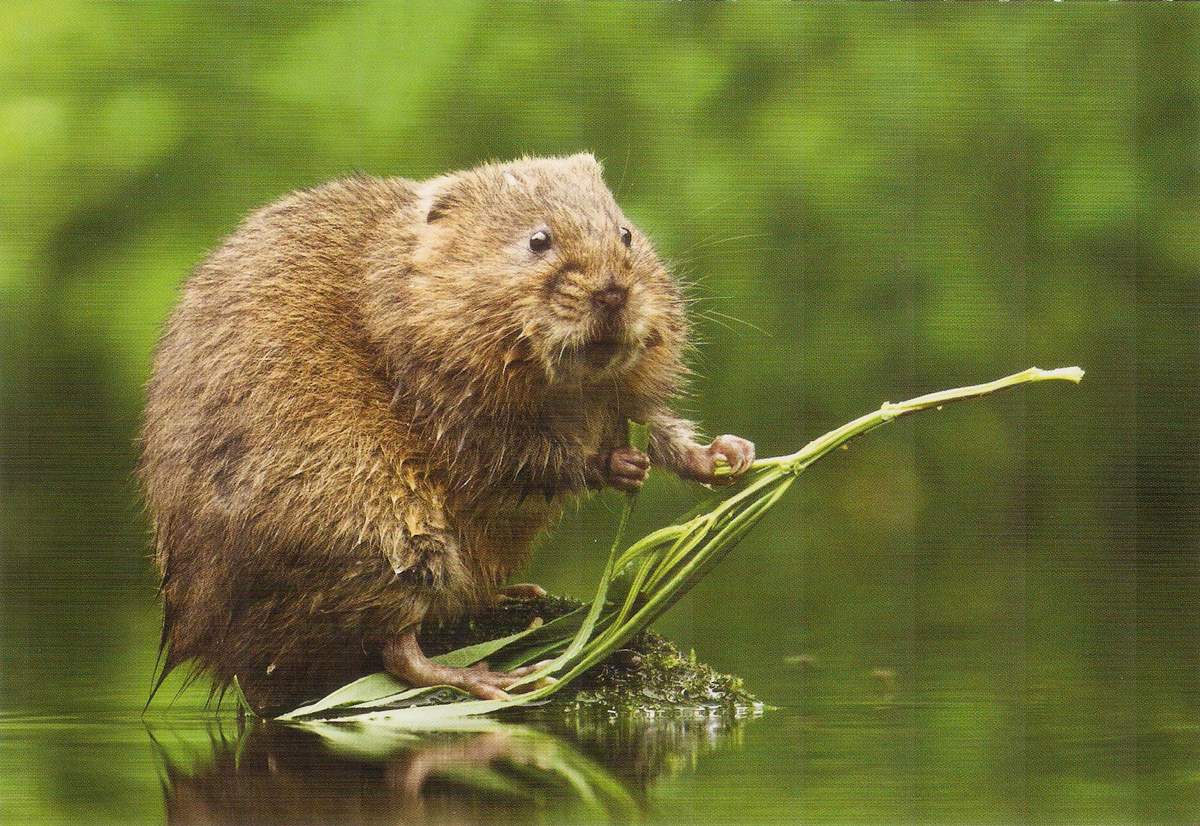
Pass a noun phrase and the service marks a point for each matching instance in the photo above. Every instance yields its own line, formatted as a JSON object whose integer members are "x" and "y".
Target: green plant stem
{"x": 889, "y": 411}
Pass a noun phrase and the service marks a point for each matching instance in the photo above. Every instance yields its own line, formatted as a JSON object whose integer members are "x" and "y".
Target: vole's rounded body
{"x": 373, "y": 396}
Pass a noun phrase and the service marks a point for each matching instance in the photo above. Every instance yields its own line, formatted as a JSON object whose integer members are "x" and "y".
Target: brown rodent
{"x": 373, "y": 396}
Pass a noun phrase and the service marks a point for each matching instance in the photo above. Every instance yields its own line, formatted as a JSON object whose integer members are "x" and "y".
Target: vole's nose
{"x": 610, "y": 299}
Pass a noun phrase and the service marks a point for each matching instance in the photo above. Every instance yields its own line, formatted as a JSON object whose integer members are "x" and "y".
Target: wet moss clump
{"x": 650, "y": 674}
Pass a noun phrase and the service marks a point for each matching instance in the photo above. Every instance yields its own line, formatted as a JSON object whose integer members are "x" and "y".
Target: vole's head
{"x": 533, "y": 263}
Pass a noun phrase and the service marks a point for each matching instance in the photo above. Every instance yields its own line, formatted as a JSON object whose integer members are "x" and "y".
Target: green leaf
{"x": 471, "y": 654}
{"x": 380, "y": 684}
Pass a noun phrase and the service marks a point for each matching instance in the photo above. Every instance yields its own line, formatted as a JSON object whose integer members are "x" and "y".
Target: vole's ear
{"x": 443, "y": 197}
{"x": 442, "y": 206}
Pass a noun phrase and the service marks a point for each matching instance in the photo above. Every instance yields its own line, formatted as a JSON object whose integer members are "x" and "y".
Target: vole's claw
{"x": 485, "y": 691}
{"x": 486, "y": 684}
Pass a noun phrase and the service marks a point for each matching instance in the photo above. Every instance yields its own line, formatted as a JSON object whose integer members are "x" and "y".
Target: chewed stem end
{"x": 1074, "y": 374}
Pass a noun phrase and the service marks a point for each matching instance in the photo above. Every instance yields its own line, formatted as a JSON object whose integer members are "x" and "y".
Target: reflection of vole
{"x": 372, "y": 397}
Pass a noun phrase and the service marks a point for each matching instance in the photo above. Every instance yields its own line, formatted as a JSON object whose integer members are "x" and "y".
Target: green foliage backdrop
{"x": 872, "y": 202}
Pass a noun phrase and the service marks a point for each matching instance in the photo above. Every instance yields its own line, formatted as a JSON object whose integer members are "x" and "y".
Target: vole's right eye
{"x": 539, "y": 241}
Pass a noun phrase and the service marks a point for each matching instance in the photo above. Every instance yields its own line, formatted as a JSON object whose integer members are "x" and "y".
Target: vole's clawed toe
{"x": 403, "y": 657}
{"x": 486, "y": 684}
{"x": 479, "y": 685}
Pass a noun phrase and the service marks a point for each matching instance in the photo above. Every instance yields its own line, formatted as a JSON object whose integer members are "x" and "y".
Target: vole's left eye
{"x": 626, "y": 237}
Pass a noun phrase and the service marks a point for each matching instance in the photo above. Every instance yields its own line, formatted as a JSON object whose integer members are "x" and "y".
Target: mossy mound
{"x": 650, "y": 674}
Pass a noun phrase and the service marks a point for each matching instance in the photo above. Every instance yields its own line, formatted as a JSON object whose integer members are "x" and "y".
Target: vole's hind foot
{"x": 521, "y": 590}
{"x": 482, "y": 682}
{"x": 403, "y": 657}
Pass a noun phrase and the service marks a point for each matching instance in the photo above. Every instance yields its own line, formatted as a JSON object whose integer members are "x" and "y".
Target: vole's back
{"x": 269, "y": 447}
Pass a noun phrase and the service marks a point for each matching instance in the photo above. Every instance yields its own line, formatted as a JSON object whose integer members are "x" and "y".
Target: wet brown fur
{"x": 373, "y": 397}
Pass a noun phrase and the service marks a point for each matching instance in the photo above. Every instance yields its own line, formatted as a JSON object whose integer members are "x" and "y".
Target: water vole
{"x": 372, "y": 398}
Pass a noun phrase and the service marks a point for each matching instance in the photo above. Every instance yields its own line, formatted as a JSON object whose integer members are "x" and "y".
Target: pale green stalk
{"x": 814, "y": 450}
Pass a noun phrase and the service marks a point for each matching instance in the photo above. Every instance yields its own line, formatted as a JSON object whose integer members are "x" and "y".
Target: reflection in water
{"x": 641, "y": 750}
{"x": 469, "y": 771}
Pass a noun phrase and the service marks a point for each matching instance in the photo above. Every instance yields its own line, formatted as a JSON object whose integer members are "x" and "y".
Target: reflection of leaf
{"x": 517, "y": 762}
{"x": 486, "y": 779}
{"x": 651, "y": 575}
{"x": 363, "y": 743}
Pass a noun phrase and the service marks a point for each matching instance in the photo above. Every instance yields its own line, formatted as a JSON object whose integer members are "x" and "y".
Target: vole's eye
{"x": 626, "y": 237}
{"x": 539, "y": 241}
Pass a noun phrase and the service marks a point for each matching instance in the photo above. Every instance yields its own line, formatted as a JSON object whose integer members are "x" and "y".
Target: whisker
{"x": 711, "y": 313}
{"x": 719, "y": 202}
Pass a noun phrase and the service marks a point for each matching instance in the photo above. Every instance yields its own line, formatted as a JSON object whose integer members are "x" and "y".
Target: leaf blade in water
{"x": 372, "y": 686}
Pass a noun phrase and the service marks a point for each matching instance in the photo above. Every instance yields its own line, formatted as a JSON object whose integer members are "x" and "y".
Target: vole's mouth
{"x": 612, "y": 348}
{"x": 600, "y": 353}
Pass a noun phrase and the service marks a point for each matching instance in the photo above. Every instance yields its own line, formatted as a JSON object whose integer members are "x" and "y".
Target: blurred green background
{"x": 987, "y": 614}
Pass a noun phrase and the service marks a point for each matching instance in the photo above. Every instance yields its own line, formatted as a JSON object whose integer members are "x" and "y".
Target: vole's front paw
{"x": 626, "y": 468}
{"x": 734, "y": 451}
